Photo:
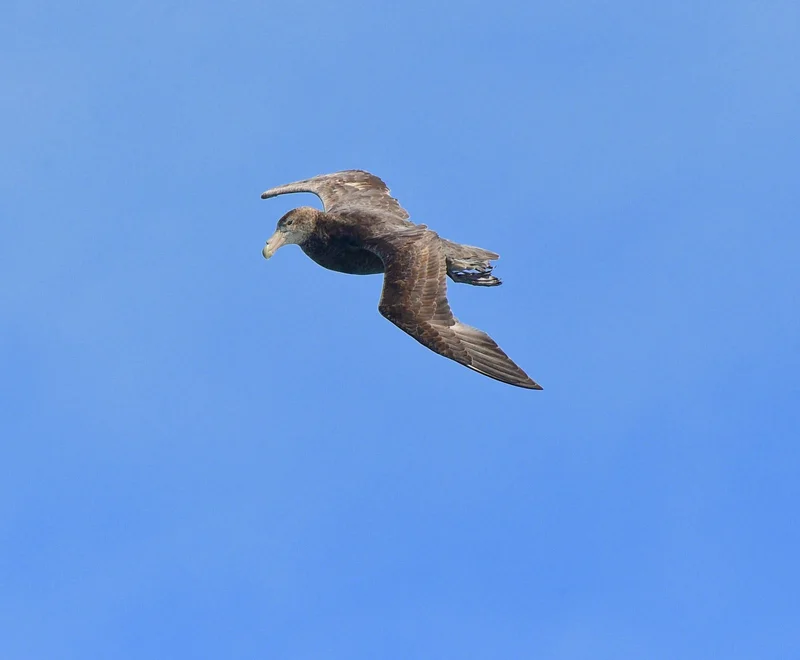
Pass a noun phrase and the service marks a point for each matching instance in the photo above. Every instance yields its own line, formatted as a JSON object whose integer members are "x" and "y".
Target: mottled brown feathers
{"x": 345, "y": 191}
{"x": 414, "y": 298}
{"x": 364, "y": 230}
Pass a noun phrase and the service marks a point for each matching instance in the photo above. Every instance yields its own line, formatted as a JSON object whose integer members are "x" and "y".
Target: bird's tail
{"x": 470, "y": 265}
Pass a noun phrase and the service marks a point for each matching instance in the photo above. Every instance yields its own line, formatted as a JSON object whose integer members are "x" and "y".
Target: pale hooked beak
{"x": 275, "y": 241}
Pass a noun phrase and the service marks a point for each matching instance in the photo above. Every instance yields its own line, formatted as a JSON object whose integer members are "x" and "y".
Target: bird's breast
{"x": 343, "y": 256}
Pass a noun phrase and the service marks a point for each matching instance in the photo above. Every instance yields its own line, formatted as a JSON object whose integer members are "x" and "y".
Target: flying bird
{"x": 362, "y": 231}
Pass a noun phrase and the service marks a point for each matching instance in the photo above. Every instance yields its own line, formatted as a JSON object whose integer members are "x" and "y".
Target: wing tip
{"x": 528, "y": 383}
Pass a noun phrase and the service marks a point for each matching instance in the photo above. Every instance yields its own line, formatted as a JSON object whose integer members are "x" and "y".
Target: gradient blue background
{"x": 206, "y": 455}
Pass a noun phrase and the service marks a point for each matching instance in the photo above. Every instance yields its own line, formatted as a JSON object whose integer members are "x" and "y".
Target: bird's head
{"x": 294, "y": 227}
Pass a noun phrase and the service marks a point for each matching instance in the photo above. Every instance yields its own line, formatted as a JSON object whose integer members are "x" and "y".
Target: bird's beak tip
{"x": 277, "y": 240}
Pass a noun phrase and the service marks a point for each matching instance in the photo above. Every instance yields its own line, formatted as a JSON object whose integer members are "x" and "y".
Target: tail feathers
{"x": 458, "y": 251}
{"x": 474, "y": 272}
{"x": 470, "y": 265}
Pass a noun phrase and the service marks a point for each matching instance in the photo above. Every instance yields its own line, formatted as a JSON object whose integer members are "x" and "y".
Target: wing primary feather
{"x": 414, "y": 298}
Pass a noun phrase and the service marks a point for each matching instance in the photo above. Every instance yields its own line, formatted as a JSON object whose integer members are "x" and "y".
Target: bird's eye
{"x": 288, "y": 222}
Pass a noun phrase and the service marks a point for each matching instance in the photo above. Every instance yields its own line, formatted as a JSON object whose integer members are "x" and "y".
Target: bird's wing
{"x": 414, "y": 298}
{"x": 350, "y": 190}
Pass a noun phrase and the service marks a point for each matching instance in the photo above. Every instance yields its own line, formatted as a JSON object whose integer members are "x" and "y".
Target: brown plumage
{"x": 362, "y": 231}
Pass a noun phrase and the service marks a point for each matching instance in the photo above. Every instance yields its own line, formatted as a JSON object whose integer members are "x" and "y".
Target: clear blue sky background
{"x": 206, "y": 455}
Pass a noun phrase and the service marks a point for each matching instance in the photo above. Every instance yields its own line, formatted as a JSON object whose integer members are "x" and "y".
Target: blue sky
{"x": 208, "y": 455}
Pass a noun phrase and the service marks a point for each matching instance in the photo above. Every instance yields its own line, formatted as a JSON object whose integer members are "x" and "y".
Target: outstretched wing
{"x": 350, "y": 190}
{"x": 414, "y": 298}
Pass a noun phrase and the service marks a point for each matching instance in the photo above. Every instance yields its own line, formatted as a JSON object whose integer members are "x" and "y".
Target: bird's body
{"x": 364, "y": 231}
{"x": 337, "y": 244}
